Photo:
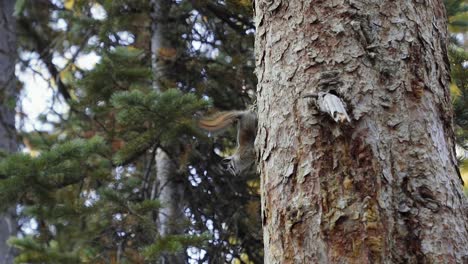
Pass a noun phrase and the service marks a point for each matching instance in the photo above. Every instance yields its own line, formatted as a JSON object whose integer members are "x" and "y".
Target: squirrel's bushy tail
{"x": 244, "y": 157}
{"x": 220, "y": 120}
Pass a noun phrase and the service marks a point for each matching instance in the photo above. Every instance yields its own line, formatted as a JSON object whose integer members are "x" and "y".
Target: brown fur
{"x": 244, "y": 157}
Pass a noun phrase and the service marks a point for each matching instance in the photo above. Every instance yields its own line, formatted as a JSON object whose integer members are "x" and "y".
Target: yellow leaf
{"x": 29, "y": 148}
{"x": 454, "y": 90}
{"x": 35, "y": 153}
{"x": 66, "y": 75}
{"x": 233, "y": 240}
{"x": 246, "y": 3}
{"x": 464, "y": 172}
{"x": 167, "y": 53}
{"x": 245, "y": 258}
{"x": 69, "y": 4}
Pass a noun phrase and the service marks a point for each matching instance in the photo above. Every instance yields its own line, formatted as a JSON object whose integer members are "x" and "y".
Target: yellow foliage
{"x": 30, "y": 148}
{"x": 254, "y": 184}
{"x": 241, "y": 3}
{"x": 69, "y": 4}
{"x": 244, "y": 258}
{"x": 246, "y": 3}
{"x": 66, "y": 75}
{"x": 464, "y": 172}
{"x": 453, "y": 27}
{"x": 454, "y": 90}
{"x": 167, "y": 53}
{"x": 233, "y": 240}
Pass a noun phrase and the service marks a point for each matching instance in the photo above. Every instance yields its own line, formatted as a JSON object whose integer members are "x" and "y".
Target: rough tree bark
{"x": 383, "y": 188}
{"x": 8, "y": 226}
{"x": 170, "y": 191}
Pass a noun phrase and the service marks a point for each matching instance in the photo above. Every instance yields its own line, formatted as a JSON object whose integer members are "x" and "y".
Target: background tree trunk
{"x": 384, "y": 188}
{"x": 8, "y": 226}
{"x": 170, "y": 191}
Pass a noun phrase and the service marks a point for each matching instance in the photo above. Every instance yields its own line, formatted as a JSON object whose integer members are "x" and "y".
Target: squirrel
{"x": 244, "y": 156}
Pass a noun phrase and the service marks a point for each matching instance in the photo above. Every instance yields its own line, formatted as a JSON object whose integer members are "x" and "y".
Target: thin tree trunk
{"x": 385, "y": 187}
{"x": 8, "y": 97}
{"x": 170, "y": 191}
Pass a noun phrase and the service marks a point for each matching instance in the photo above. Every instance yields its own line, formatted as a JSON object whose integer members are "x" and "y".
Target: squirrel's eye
{"x": 226, "y": 163}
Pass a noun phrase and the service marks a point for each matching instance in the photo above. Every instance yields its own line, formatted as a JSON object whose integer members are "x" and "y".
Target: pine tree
{"x": 89, "y": 191}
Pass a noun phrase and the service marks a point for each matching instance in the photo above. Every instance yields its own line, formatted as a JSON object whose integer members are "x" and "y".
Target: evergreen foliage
{"x": 457, "y": 11}
{"x": 148, "y": 118}
{"x": 85, "y": 190}
{"x": 458, "y": 58}
{"x": 29, "y": 178}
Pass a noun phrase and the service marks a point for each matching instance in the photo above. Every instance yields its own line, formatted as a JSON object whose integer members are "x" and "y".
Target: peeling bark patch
{"x": 340, "y": 218}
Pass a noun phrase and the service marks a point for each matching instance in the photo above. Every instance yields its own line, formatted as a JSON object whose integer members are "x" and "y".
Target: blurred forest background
{"x": 84, "y": 181}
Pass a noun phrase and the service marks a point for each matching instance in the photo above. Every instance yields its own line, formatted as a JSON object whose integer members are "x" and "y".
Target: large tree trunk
{"x": 383, "y": 188}
{"x": 8, "y": 226}
{"x": 170, "y": 191}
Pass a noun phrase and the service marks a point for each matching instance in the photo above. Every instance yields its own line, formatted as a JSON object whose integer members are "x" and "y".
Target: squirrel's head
{"x": 237, "y": 165}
